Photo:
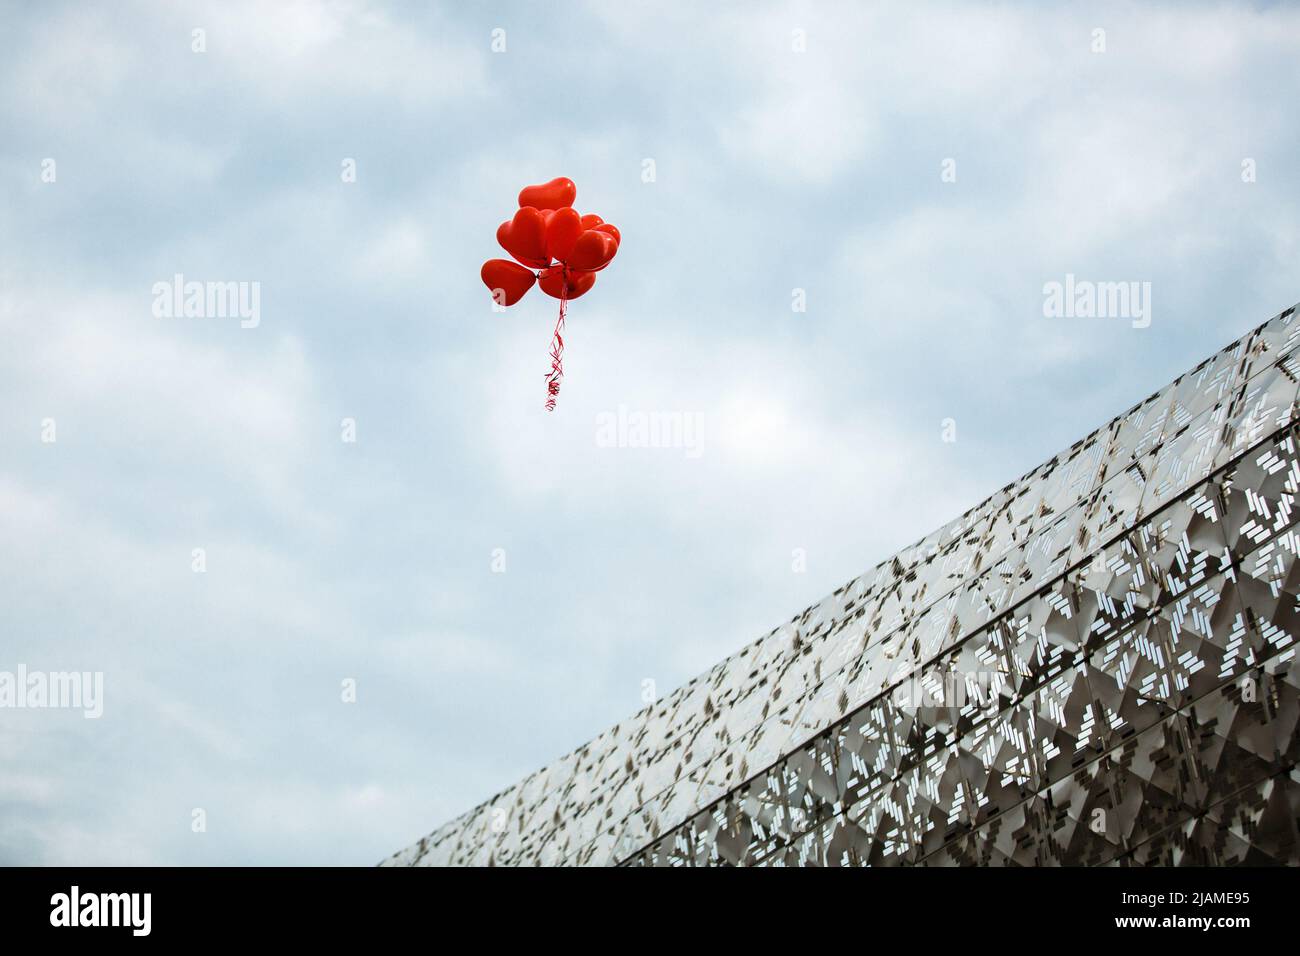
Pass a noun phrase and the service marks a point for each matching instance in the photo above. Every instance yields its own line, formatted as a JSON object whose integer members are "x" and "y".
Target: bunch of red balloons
{"x": 548, "y": 234}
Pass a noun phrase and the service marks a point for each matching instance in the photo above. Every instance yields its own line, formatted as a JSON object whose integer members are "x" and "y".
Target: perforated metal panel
{"x": 1094, "y": 665}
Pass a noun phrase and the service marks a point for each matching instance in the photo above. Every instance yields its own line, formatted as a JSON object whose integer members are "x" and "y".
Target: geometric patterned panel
{"x": 1094, "y": 666}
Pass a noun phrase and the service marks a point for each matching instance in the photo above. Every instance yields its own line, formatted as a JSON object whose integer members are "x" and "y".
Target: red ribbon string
{"x": 557, "y": 351}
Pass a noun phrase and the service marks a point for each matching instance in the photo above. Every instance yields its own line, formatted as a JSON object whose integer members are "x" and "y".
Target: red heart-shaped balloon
{"x": 557, "y": 194}
{"x": 507, "y": 280}
{"x": 592, "y": 250}
{"x": 563, "y": 227}
{"x": 610, "y": 228}
{"x": 591, "y": 221}
{"x": 554, "y": 279}
{"x": 524, "y": 237}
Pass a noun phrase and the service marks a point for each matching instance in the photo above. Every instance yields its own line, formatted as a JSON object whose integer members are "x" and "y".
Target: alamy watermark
{"x": 958, "y": 689}
{"x": 178, "y": 298}
{"x": 129, "y": 910}
{"x": 632, "y": 428}
{"x": 63, "y": 690}
{"x": 1085, "y": 299}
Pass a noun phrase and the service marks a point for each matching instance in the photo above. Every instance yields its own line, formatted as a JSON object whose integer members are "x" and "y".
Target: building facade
{"x": 1096, "y": 665}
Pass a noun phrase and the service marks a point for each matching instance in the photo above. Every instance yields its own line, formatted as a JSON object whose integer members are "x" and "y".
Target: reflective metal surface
{"x": 1095, "y": 665}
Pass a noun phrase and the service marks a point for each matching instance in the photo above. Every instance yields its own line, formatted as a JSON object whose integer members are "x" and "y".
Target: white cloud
{"x": 290, "y": 51}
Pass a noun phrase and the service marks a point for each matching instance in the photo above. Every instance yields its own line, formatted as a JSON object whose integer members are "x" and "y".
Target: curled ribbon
{"x": 556, "y": 373}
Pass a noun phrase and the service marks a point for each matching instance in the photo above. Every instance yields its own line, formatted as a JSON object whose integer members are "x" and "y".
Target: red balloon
{"x": 554, "y": 279}
{"x": 563, "y": 227}
{"x": 592, "y": 250}
{"x": 559, "y": 193}
{"x": 609, "y": 230}
{"x": 524, "y": 237}
{"x": 507, "y": 280}
{"x": 591, "y": 221}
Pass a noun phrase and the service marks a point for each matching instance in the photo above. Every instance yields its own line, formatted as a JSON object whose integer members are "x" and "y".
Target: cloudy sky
{"x": 128, "y": 441}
